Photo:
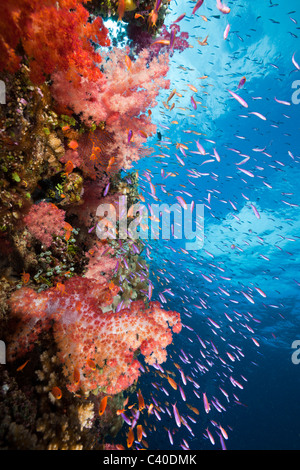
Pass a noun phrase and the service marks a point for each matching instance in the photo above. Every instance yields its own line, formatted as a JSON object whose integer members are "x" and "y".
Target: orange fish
{"x": 139, "y": 430}
{"x": 91, "y": 364}
{"x": 141, "y": 401}
{"x": 65, "y": 128}
{"x": 103, "y": 404}
{"x": 25, "y": 277}
{"x": 121, "y": 9}
{"x": 128, "y": 62}
{"x": 110, "y": 163}
{"x": 164, "y": 42}
{"x": 73, "y": 144}
{"x": 193, "y": 88}
{"x": 69, "y": 167}
{"x": 145, "y": 444}
{"x": 126, "y": 401}
{"x": 76, "y": 376}
{"x": 130, "y": 438}
{"x": 60, "y": 287}
{"x": 137, "y": 15}
{"x": 143, "y": 134}
{"x": 204, "y": 42}
{"x": 23, "y": 365}
{"x": 195, "y": 410}
{"x": 150, "y": 408}
{"x": 56, "y": 392}
{"x": 67, "y": 235}
{"x": 172, "y": 382}
{"x": 68, "y": 227}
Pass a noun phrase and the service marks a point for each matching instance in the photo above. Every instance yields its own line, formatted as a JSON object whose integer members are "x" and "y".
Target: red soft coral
{"x": 45, "y": 220}
{"x": 55, "y": 35}
{"x": 98, "y": 350}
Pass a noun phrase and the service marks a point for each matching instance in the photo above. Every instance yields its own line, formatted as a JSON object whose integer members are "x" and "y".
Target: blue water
{"x": 240, "y": 250}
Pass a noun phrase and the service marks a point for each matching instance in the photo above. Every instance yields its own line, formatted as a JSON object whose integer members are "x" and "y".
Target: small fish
{"x": 217, "y": 156}
{"x": 76, "y": 376}
{"x": 206, "y": 404}
{"x": 204, "y": 42}
{"x": 56, "y": 392}
{"x": 25, "y": 277}
{"x": 194, "y": 104}
{"x": 260, "y": 291}
{"x": 141, "y": 401}
{"x": 176, "y": 415}
{"x": 197, "y": 6}
{"x": 22, "y": 366}
{"x": 295, "y": 63}
{"x": 172, "y": 382}
{"x": 226, "y": 32}
{"x": 103, "y": 404}
{"x": 179, "y": 18}
{"x": 130, "y": 134}
{"x": 128, "y": 62}
{"x": 248, "y": 297}
{"x": 91, "y": 364}
{"x": 60, "y": 287}
{"x": 139, "y": 430}
{"x": 106, "y": 190}
{"x": 258, "y": 115}
{"x": 242, "y": 82}
{"x": 238, "y": 98}
{"x": 282, "y": 102}
{"x": 223, "y": 8}
{"x": 67, "y": 235}
{"x": 210, "y": 437}
{"x": 121, "y": 9}
{"x": 163, "y": 42}
{"x": 130, "y": 438}
{"x": 68, "y": 227}
{"x": 181, "y": 202}
{"x": 255, "y": 211}
{"x": 69, "y": 167}
{"x": 192, "y": 408}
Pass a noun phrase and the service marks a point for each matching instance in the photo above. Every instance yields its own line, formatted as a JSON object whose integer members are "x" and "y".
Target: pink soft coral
{"x": 121, "y": 98}
{"x": 45, "y": 220}
{"x": 98, "y": 350}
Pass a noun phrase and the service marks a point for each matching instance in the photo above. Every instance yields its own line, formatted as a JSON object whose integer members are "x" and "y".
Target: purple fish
{"x": 242, "y": 82}
{"x": 130, "y": 134}
{"x": 106, "y": 190}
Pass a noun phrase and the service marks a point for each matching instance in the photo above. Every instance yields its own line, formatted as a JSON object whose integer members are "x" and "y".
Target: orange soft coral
{"x": 96, "y": 345}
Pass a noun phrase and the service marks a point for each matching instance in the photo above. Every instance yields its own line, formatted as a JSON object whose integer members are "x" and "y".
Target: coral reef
{"x": 74, "y": 309}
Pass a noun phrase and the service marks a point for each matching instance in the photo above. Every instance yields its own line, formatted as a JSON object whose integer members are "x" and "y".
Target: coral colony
{"x": 76, "y": 311}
